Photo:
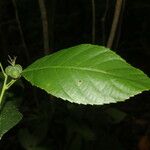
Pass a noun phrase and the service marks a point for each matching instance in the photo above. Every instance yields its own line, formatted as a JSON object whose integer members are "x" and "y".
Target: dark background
{"x": 57, "y": 125}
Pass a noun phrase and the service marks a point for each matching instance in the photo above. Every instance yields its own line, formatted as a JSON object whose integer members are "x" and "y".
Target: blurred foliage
{"x": 56, "y": 125}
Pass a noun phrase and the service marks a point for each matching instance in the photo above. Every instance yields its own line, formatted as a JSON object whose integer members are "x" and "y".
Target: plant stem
{"x": 115, "y": 23}
{"x": 45, "y": 25}
{"x": 93, "y": 21}
{"x": 21, "y": 31}
{"x": 4, "y": 88}
{"x": 5, "y": 85}
{"x": 8, "y": 85}
{"x": 3, "y": 70}
{"x": 103, "y": 22}
{"x": 119, "y": 25}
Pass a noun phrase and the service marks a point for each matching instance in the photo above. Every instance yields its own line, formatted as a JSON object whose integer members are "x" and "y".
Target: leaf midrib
{"x": 80, "y": 68}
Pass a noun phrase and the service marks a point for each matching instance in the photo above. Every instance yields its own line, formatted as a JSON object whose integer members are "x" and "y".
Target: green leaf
{"x": 9, "y": 117}
{"x": 87, "y": 74}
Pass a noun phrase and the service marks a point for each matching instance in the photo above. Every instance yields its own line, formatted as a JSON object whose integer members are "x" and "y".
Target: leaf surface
{"x": 87, "y": 74}
{"x": 9, "y": 117}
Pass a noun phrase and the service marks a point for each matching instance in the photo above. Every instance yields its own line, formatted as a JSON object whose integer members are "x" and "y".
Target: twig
{"x": 120, "y": 24}
{"x": 115, "y": 23}
{"x": 5, "y": 86}
{"x": 21, "y": 32}
{"x": 3, "y": 91}
{"x": 45, "y": 26}
{"x": 93, "y": 21}
{"x": 51, "y": 25}
{"x": 103, "y": 19}
{"x": 1, "y": 67}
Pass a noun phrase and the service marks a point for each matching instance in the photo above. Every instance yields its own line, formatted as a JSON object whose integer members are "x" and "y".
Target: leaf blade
{"x": 9, "y": 117}
{"x": 87, "y": 74}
